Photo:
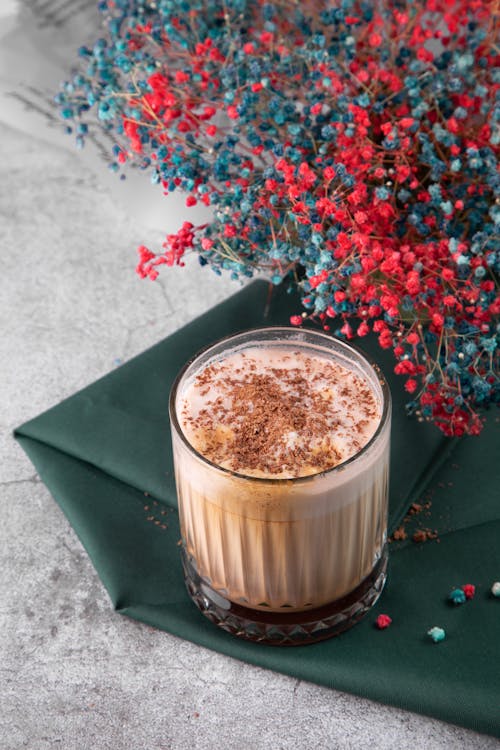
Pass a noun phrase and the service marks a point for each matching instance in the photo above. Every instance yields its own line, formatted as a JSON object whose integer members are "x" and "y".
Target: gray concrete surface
{"x": 73, "y": 674}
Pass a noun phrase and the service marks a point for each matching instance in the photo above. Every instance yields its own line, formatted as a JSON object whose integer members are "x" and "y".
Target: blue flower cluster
{"x": 352, "y": 149}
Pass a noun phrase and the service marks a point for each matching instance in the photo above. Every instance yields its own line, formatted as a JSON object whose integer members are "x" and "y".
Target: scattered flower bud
{"x": 457, "y": 596}
{"x": 436, "y": 634}
{"x": 383, "y": 621}
{"x": 469, "y": 590}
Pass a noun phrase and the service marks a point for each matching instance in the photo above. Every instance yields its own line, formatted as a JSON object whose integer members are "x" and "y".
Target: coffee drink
{"x": 281, "y": 444}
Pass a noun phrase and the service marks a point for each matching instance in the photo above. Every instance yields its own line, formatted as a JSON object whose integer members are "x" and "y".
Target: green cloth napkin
{"x": 105, "y": 455}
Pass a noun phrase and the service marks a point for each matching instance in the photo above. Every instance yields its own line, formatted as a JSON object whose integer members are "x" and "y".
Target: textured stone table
{"x": 73, "y": 674}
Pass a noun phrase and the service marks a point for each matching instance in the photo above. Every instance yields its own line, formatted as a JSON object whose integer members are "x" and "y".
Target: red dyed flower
{"x": 469, "y": 590}
{"x": 383, "y": 621}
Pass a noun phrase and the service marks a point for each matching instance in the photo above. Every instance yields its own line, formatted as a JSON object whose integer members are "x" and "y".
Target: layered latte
{"x": 281, "y": 455}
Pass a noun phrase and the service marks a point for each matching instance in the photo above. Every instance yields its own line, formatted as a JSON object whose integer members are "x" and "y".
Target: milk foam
{"x": 338, "y": 411}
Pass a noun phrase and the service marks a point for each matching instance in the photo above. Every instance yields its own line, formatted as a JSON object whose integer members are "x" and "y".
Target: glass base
{"x": 286, "y": 628}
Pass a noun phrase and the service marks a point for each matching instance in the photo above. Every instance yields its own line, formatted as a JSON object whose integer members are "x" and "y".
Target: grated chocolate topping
{"x": 278, "y": 413}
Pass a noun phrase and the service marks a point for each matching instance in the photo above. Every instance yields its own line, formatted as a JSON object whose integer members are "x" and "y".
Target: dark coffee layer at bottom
{"x": 285, "y": 628}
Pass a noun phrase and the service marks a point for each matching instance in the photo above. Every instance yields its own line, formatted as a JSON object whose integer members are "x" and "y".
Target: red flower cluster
{"x": 352, "y": 148}
{"x": 175, "y": 246}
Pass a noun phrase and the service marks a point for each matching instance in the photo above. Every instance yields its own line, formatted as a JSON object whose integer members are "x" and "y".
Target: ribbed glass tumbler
{"x": 284, "y": 561}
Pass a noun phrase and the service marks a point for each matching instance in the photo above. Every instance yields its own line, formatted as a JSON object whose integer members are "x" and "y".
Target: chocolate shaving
{"x": 281, "y": 421}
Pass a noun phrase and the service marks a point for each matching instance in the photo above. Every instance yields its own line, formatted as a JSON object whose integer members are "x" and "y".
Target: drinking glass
{"x": 284, "y": 561}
